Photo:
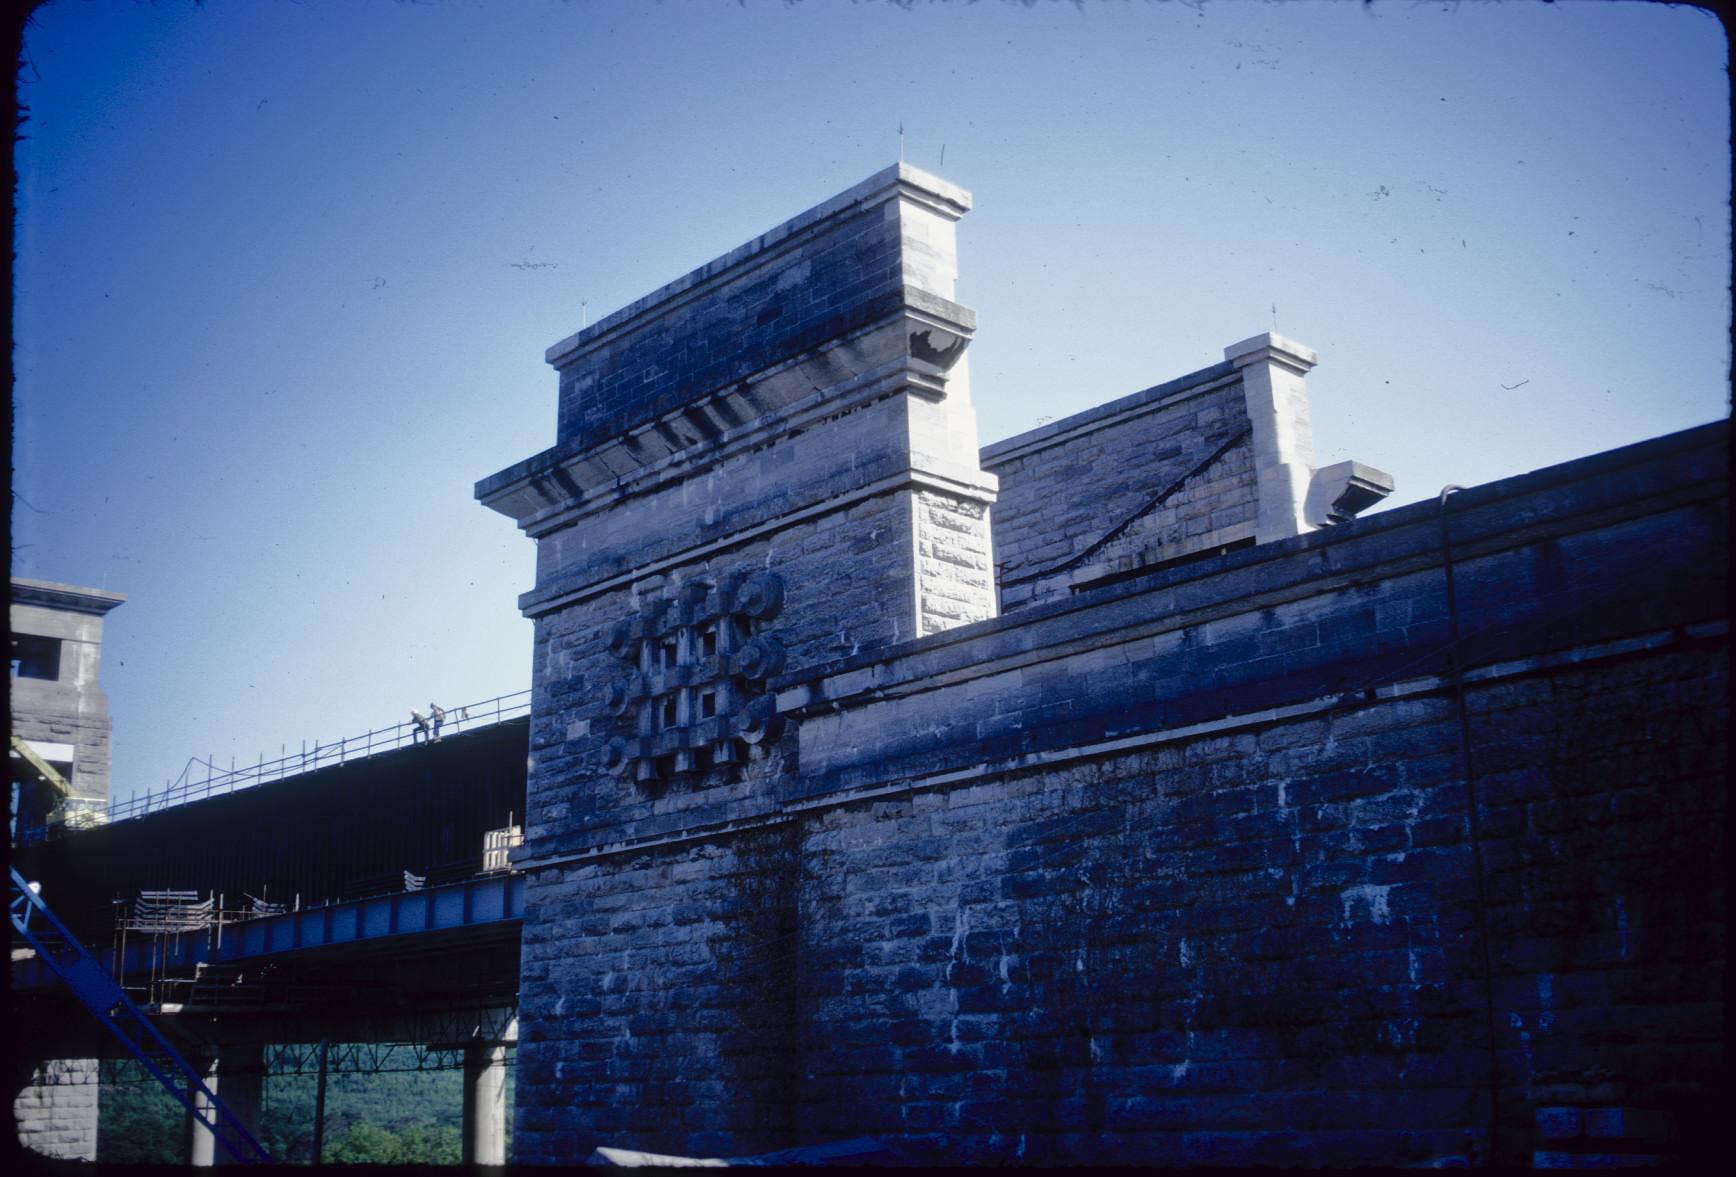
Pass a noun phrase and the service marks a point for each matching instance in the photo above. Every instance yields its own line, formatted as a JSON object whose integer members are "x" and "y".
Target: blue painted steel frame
{"x": 478, "y": 902}
{"x": 59, "y": 954}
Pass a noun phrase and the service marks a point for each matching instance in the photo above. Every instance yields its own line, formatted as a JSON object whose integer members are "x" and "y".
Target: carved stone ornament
{"x": 692, "y": 692}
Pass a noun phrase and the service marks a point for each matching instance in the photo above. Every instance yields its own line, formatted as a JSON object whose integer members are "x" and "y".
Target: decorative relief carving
{"x": 693, "y": 695}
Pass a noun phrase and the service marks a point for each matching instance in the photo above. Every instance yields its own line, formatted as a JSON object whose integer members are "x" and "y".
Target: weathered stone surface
{"x": 67, "y": 712}
{"x": 1229, "y": 861}
{"x": 1146, "y": 479}
{"x": 55, "y": 1111}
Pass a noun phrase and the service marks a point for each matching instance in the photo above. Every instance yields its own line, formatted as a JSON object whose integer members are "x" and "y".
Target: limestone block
{"x": 1272, "y": 370}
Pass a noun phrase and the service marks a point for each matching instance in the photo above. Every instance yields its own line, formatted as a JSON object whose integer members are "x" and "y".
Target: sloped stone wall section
{"x": 1210, "y": 510}
{"x": 1071, "y": 488}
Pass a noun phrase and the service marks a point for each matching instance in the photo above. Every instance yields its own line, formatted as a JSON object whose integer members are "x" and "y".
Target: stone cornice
{"x": 698, "y": 435}
{"x": 1270, "y": 347}
{"x": 71, "y": 598}
{"x": 539, "y": 602}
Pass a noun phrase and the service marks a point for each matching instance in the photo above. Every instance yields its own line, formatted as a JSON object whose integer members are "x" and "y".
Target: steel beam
{"x": 488, "y": 900}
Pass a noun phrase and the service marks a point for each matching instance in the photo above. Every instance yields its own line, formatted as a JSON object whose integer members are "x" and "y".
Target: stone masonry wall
{"x": 1600, "y": 789}
{"x": 1186, "y": 869}
{"x": 1263, "y": 947}
{"x": 575, "y": 801}
{"x": 1165, "y": 461}
{"x": 956, "y": 574}
{"x": 1252, "y": 948}
{"x": 675, "y": 1026}
{"x": 1214, "y": 508}
{"x": 90, "y": 733}
{"x": 56, "y": 1110}
{"x": 71, "y": 709}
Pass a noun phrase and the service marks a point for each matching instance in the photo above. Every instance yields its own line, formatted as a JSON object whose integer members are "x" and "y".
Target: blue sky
{"x": 286, "y": 271}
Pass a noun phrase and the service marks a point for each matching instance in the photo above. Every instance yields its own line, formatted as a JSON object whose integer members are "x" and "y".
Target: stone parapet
{"x": 821, "y": 276}
{"x": 1310, "y": 617}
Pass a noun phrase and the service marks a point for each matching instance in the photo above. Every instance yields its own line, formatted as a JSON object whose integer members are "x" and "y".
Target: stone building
{"x": 58, "y": 710}
{"x": 57, "y": 704}
{"x": 1110, "y": 793}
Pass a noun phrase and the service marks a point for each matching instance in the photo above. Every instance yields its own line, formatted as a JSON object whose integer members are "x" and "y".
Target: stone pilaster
{"x": 1273, "y": 369}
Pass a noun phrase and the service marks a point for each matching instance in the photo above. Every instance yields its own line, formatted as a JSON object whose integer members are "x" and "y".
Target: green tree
{"x": 138, "y": 1123}
{"x": 367, "y": 1144}
{"x": 433, "y": 1144}
{"x": 415, "y": 1113}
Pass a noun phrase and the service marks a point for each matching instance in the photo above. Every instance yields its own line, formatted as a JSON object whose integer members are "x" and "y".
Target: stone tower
{"x": 766, "y": 464}
{"x": 58, "y": 706}
{"x": 59, "y": 711}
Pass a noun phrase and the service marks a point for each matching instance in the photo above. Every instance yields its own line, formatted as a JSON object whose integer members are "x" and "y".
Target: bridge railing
{"x": 218, "y": 781}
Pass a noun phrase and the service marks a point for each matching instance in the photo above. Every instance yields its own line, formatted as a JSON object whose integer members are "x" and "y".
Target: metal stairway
{"x": 96, "y": 990}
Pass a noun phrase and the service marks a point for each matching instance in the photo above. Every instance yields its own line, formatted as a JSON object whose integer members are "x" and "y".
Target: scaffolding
{"x": 497, "y": 848}
{"x": 41, "y": 930}
{"x": 155, "y": 917}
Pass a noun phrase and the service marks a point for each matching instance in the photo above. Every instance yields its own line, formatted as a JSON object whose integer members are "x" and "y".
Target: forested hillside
{"x": 403, "y": 1117}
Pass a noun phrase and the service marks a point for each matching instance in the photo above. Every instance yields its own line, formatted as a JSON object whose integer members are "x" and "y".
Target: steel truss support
{"x": 61, "y": 952}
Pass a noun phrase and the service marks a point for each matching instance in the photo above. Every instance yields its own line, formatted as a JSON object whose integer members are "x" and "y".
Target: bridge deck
{"x": 487, "y": 903}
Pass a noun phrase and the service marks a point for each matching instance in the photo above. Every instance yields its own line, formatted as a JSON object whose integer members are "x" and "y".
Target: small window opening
{"x": 35, "y": 657}
{"x": 708, "y": 642}
{"x": 707, "y": 704}
{"x": 669, "y": 711}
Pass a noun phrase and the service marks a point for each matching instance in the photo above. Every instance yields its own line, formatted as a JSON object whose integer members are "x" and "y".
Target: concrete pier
{"x": 484, "y": 1141}
{"x": 241, "y": 1072}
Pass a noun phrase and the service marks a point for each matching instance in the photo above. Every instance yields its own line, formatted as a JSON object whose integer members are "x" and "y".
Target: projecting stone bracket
{"x": 935, "y": 340}
{"x": 1338, "y": 493}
